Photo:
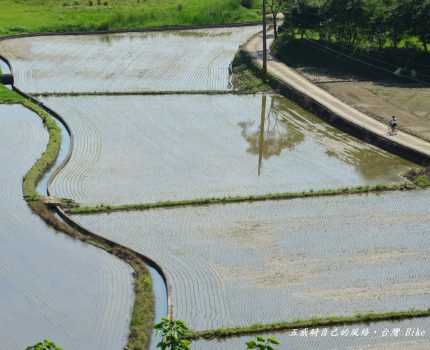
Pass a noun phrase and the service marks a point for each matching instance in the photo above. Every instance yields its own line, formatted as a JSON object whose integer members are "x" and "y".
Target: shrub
{"x": 247, "y": 3}
{"x": 45, "y": 345}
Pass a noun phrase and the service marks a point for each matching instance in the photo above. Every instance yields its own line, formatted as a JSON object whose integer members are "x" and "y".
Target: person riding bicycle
{"x": 393, "y": 125}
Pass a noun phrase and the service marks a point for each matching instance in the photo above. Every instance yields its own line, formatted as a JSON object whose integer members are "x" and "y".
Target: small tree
{"x": 276, "y": 7}
{"x": 173, "y": 335}
{"x": 262, "y": 343}
{"x": 45, "y": 345}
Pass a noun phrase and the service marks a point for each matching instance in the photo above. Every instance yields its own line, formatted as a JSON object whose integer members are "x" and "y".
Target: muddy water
{"x": 50, "y": 285}
{"x": 382, "y": 336}
{"x": 265, "y": 262}
{"x": 152, "y": 148}
{"x": 182, "y": 60}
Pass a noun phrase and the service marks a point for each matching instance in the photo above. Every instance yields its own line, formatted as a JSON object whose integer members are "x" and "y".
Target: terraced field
{"x": 157, "y": 148}
{"x": 228, "y": 265}
{"x": 265, "y": 262}
{"x": 181, "y": 60}
{"x": 50, "y": 285}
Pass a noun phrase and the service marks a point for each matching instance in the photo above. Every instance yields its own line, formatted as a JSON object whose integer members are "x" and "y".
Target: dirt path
{"x": 341, "y": 109}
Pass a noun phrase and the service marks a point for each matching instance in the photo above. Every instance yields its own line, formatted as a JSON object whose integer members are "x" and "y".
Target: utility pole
{"x": 264, "y": 39}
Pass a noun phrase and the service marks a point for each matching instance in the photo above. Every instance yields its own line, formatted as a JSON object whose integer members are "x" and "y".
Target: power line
{"x": 340, "y": 53}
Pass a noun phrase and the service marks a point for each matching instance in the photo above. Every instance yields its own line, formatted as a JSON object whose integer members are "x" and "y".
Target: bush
{"x": 247, "y": 3}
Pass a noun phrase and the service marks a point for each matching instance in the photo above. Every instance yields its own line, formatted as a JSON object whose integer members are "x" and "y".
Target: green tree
{"x": 173, "y": 335}
{"x": 262, "y": 343}
{"x": 399, "y": 21}
{"x": 379, "y": 12}
{"x": 302, "y": 16}
{"x": 45, "y": 345}
{"x": 276, "y": 6}
{"x": 348, "y": 19}
{"x": 420, "y": 20}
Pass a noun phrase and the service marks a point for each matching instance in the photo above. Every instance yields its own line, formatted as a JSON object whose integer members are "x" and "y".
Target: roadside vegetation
{"x": 94, "y": 15}
{"x": 420, "y": 177}
{"x": 244, "y": 78}
{"x": 390, "y": 37}
{"x": 103, "y": 208}
{"x": 143, "y": 309}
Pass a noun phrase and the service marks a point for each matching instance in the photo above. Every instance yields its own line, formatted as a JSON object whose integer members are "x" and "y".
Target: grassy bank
{"x": 245, "y": 79}
{"x": 331, "y": 321}
{"x": 420, "y": 177}
{"x": 8, "y": 96}
{"x": 240, "y": 199}
{"x": 143, "y": 310}
{"x": 90, "y": 15}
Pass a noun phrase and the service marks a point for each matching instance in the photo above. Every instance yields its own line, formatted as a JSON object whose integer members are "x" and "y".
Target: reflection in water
{"x": 285, "y": 126}
{"x": 275, "y": 133}
{"x": 261, "y": 139}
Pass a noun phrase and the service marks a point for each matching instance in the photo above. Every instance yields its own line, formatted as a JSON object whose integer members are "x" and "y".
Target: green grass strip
{"x": 8, "y": 96}
{"x": 31, "y": 16}
{"x": 48, "y": 157}
{"x": 330, "y": 321}
{"x": 103, "y": 208}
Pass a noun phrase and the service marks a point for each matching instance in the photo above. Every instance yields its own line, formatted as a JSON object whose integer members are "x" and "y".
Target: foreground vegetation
{"x": 407, "y": 186}
{"x": 93, "y": 15}
{"x": 143, "y": 310}
{"x": 44, "y": 345}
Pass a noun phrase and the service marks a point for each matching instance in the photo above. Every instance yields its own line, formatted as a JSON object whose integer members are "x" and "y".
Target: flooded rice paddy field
{"x": 50, "y": 285}
{"x": 153, "y": 148}
{"x": 174, "y": 60}
{"x": 381, "y": 337}
{"x": 233, "y": 265}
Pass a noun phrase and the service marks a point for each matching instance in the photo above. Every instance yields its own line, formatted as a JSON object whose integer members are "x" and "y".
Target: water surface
{"x": 51, "y": 286}
{"x": 153, "y": 148}
{"x": 240, "y": 264}
{"x": 173, "y": 60}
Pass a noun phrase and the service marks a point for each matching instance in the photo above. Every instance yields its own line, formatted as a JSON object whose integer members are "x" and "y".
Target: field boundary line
{"x": 143, "y": 93}
{"x": 359, "y": 190}
{"x": 142, "y": 30}
{"x": 330, "y": 321}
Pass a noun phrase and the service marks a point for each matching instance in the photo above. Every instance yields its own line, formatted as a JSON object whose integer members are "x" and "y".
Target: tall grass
{"x": 53, "y": 16}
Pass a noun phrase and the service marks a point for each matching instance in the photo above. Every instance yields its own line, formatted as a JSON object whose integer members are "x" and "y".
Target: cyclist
{"x": 393, "y": 125}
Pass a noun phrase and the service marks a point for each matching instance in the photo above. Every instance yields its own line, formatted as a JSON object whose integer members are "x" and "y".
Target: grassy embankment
{"x": 143, "y": 310}
{"x": 103, "y": 208}
{"x": 331, "y": 321}
{"x": 92, "y": 15}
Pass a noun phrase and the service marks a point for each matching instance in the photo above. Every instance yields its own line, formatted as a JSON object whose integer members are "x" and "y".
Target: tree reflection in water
{"x": 271, "y": 135}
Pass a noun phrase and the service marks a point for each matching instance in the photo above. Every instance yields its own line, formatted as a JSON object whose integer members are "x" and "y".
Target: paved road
{"x": 341, "y": 109}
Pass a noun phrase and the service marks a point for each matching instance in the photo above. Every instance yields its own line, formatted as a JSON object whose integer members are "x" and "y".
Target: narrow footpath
{"x": 297, "y": 82}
